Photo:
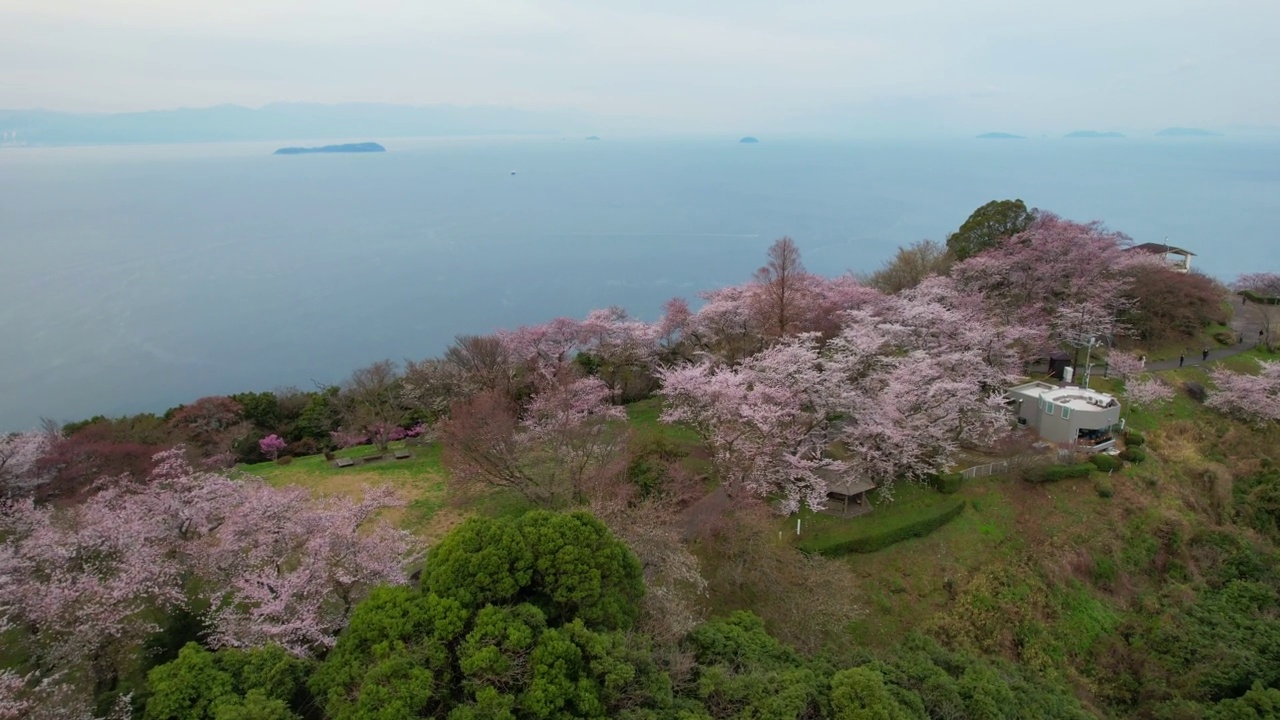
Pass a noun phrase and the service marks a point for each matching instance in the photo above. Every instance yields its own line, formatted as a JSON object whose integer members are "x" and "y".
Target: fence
{"x": 978, "y": 471}
{"x": 1003, "y": 466}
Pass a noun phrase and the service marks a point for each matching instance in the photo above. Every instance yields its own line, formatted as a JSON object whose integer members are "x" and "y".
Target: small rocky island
{"x": 748, "y": 139}
{"x": 999, "y": 136}
{"x": 365, "y": 147}
{"x": 593, "y": 137}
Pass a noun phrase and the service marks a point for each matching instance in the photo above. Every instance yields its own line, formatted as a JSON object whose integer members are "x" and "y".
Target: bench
{"x": 345, "y": 462}
{"x": 370, "y": 458}
{"x": 403, "y": 454}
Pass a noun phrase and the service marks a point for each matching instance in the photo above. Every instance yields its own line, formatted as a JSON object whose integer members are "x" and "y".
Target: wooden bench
{"x": 403, "y": 454}
{"x": 345, "y": 462}
{"x": 370, "y": 458}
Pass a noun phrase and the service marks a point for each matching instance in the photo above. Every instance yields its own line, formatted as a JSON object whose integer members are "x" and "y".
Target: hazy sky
{"x": 1020, "y": 65}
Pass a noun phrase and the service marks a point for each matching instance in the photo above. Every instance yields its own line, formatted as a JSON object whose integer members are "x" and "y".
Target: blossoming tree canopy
{"x": 86, "y": 583}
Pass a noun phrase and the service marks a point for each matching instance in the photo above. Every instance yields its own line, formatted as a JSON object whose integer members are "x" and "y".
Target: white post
{"x": 797, "y": 526}
{"x": 1088, "y": 353}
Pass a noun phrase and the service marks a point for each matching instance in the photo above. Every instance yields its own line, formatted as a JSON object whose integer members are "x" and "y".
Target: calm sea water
{"x": 135, "y": 278}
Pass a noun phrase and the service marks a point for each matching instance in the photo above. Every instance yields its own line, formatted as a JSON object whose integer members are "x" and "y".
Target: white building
{"x": 1069, "y": 415}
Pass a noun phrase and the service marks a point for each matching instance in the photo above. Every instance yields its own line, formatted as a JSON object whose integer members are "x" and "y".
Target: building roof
{"x": 844, "y": 482}
{"x": 1076, "y": 398}
{"x": 1161, "y": 249}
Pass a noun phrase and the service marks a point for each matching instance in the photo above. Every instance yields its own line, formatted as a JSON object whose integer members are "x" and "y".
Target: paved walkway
{"x": 1216, "y": 352}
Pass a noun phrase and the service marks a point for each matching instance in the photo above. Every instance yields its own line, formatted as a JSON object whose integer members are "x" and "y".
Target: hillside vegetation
{"x": 614, "y": 518}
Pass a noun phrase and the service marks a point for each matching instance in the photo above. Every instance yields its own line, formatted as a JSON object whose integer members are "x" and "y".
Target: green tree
{"x": 516, "y": 618}
{"x": 1260, "y": 703}
{"x": 568, "y": 565}
{"x": 988, "y": 225}
{"x": 860, "y": 694}
{"x": 260, "y": 684}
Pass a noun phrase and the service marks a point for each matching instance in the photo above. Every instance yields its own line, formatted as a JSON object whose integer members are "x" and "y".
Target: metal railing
{"x": 977, "y": 471}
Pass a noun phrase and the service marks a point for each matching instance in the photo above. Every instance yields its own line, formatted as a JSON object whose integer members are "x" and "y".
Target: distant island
{"x": 364, "y": 147}
{"x": 999, "y": 136}
{"x": 1187, "y": 132}
{"x": 593, "y": 137}
{"x": 748, "y": 139}
{"x": 1093, "y": 134}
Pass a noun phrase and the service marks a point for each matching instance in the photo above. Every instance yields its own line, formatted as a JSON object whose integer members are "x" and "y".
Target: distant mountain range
{"x": 279, "y": 121}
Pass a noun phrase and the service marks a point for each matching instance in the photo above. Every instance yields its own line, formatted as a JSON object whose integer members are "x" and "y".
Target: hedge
{"x": 1254, "y": 297}
{"x": 946, "y": 483}
{"x": 888, "y": 536}
{"x": 1133, "y": 439}
{"x": 1055, "y": 473}
{"x": 1104, "y": 462}
{"x": 1135, "y": 455}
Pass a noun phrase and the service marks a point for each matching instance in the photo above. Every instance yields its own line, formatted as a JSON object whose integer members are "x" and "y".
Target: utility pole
{"x": 1087, "y": 355}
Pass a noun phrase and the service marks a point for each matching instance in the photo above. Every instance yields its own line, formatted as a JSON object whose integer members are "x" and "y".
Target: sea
{"x": 135, "y": 278}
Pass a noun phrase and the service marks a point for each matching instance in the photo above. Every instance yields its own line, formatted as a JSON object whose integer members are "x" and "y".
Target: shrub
{"x": 1222, "y": 337}
{"x": 1054, "y": 473}
{"x": 1102, "y": 486}
{"x": 1134, "y": 439}
{"x": 1133, "y": 455}
{"x": 284, "y": 459}
{"x": 946, "y": 483}
{"x": 1104, "y": 462}
{"x": 888, "y": 536}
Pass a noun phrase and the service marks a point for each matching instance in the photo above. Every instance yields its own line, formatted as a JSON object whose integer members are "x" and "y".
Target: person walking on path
{"x": 1204, "y": 355}
{"x": 1181, "y": 359}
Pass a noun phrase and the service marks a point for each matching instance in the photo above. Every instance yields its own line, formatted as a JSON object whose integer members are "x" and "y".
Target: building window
{"x": 1048, "y": 407}
{"x": 1066, "y": 412}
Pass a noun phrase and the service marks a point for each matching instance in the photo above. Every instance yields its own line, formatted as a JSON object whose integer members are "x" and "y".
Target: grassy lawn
{"x": 643, "y": 417}
{"x": 1190, "y": 347}
{"x": 419, "y": 480}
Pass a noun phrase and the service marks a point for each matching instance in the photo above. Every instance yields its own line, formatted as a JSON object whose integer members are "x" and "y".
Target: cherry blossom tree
{"x": 620, "y": 351}
{"x": 1058, "y": 273}
{"x": 902, "y": 388}
{"x": 1253, "y": 398}
{"x": 674, "y": 326}
{"x": 544, "y": 351}
{"x": 1125, "y": 366}
{"x": 764, "y": 422}
{"x": 1147, "y": 392}
{"x": 1264, "y": 307}
{"x": 19, "y": 456}
{"x": 81, "y": 586}
{"x": 271, "y": 445}
{"x": 296, "y": 584}
{"x": 726, "y": 325}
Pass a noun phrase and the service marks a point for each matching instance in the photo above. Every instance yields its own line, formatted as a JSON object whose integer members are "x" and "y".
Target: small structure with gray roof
{"x": 846, "y": 493}
{"x": 1068, "y": 415}
{"x": 1181, "y": 260}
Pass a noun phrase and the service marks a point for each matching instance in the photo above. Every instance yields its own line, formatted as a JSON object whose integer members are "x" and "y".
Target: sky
{"x": 973, "y": 65}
